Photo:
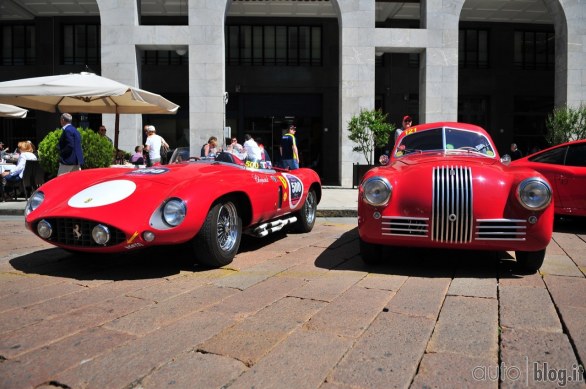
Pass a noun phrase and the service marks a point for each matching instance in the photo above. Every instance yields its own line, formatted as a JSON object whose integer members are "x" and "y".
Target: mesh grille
{"x": 78, "y": 233}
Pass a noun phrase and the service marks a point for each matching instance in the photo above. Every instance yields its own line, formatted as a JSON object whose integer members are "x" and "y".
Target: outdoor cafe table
{"x": 6, "y": 167}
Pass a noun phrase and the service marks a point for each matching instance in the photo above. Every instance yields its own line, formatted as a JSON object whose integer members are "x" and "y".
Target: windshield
{"x": 445, "y": 140}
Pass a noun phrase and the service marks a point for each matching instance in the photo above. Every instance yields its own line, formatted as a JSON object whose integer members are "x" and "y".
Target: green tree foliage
{"x": 97, "y": 150}
{"x": 565, "y": 124}
{"x": 369, "y": 129}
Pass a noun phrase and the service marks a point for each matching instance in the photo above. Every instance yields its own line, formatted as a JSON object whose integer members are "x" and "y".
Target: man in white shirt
{"x": 252, "y": 150}
{"x": 153, "y": 145}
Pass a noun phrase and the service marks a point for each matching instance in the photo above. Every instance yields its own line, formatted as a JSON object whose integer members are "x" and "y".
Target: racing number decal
{"x": 295, "y": 190}
{"x": 149, "y": 171}
{"x": 410, "y": 130}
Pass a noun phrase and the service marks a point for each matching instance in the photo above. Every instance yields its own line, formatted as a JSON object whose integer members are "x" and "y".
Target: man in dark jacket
{"x": 70, "y": 153}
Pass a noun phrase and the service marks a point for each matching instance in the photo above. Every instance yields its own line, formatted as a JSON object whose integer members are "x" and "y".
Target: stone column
{"x": 438, "y": 84}
{"x": 570, "y": 52}
{"x": 119, "y": 21}
{"x": 206, "y": 71}
{"x": 356, "y": 22}
{"x": 204, "y": 36}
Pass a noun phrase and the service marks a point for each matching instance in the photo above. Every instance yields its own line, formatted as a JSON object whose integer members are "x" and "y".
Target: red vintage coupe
{"x": 445, "y": 186}
{"x": 564, "y": 166}
{"x": 209, "y": 203}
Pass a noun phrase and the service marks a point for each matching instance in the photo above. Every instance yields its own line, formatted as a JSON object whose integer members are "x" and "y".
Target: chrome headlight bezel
{"x": 534, "y": 193}
{"x": 377, "y": 191}
{"x": 34, "y": 202}
{"x": 173, "y": 212}
{"x": 101, "y": 234}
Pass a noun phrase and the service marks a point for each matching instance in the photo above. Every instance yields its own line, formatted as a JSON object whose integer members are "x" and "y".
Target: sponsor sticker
{"x": 410, "y": 130}
{"x": 295, "y": 190}
{"x": 149, "y": 171}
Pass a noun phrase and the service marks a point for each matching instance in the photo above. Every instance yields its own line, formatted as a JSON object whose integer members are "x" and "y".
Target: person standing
{"x": 153, "y": 145}
{"x": 70, "y": 152}
{"x": 288, "y": 149}
{"x": 407, "y": 121}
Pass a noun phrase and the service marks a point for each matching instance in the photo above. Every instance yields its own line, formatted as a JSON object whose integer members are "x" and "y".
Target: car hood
{"x": 452, "y": 157}
{"x": 108, "y": 193}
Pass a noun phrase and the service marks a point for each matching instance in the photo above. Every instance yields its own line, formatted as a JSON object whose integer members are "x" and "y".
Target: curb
{"x": 336, "y": 213}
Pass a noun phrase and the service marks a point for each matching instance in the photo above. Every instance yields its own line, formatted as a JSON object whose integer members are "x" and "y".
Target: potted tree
{"x": 97, "y": 150}
{"x": 369, "y": 129}
{"x": 565, "y": 124}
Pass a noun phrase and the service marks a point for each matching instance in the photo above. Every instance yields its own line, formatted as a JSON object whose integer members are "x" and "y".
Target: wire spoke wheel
{"x": 219, "y": 238}
{"x": 226, "y": 226}
{"x": 311, "y": 207}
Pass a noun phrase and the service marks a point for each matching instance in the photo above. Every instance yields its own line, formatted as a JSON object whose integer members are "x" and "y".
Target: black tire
{"x": 218, "y": 240}
{"x": 530, "y": 260}
{"x": 371, "y": 253}
{"x": 306, "y": 216}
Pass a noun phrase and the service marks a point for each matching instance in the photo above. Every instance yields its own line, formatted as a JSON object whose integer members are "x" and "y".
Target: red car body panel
{"x": 475, "y": 207}
{"x": 568, "y": 178}
{"x": 130, "y": 200}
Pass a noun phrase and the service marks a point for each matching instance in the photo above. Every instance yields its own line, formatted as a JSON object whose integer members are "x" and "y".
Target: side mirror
{"x": 506, "y": 159}
{"x": 384, "y": 159}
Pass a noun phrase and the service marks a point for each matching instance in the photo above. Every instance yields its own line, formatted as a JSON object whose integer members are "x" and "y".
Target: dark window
{"x": 163, "y": 57}
{"x": 18, "y": 45}
{"x": 555, "y": 156}
{"x": 473, "y": 49}
{"x": 534, "y": 50}
{"x": 273, "y": 45}
{"x": 81, "y": 44}
{"x": 576, "y": 155}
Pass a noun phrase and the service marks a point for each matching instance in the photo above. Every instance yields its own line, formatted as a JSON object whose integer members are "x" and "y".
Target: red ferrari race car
{"x": 209, "y": 203}
{"x": 445, "y": 186}
{"x": 565, "y": 167}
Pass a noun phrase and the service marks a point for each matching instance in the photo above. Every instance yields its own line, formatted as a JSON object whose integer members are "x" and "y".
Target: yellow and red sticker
{"x": 410, "y": 130}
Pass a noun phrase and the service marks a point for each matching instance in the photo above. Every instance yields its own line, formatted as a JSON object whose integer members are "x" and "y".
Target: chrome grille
{"x": 405, "y": 226}
{"x": 501, "y": 229}
{"x": 452, "y": 204}
{"x": 78, "y": 232}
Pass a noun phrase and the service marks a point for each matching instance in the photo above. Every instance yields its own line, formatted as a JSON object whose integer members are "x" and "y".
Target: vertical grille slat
{"x": 452, "y": 204}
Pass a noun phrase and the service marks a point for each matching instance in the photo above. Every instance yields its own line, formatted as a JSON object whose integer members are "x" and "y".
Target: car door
{"x": 572, "y": 179}
{"x": 551, "y": 164}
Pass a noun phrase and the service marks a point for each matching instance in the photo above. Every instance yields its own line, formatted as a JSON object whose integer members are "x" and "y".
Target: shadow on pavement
{"x": 420, "y": 262}
{"x": 570, "y": 224}
{"x": 149, "y": 263}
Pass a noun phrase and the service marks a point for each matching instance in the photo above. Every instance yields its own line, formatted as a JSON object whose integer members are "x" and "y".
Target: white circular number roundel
{"x": 295, "y": 190}
{"x": 102, "y": 194}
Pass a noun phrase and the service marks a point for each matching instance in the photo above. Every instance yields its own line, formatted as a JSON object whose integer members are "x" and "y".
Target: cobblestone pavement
{"x": 292, "y": 311}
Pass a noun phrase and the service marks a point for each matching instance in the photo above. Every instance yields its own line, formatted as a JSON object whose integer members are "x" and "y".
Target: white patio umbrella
{"x": 11, "y": 111}
{"x": 85, "y": 93}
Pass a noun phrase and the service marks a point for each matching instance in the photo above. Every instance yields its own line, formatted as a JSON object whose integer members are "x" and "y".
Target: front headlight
{"x": 377, "y": 191}
{"x": 174, "y": 211}
{"x": 534, "y": 193}
{"x": 34, "y": 202}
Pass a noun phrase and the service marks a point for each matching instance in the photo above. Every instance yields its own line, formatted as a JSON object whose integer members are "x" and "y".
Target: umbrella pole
{"x": 116, "y": 131}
